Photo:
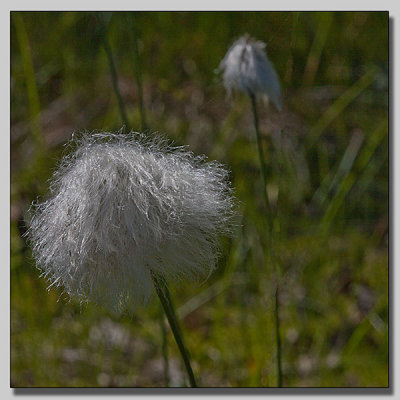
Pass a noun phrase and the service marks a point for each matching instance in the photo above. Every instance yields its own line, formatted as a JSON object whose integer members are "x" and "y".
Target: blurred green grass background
{"x": 327, "y": 157}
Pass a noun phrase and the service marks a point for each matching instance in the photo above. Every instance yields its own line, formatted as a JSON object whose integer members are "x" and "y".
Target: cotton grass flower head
{"x": 123, "y": 206}
{"x": 246, "y": 68}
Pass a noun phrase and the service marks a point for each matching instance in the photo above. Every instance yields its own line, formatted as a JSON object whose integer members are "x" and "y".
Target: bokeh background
{"x": 327, "y": 159}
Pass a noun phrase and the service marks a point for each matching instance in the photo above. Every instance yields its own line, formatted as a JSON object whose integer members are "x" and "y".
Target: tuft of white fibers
{"x": 246, "y": 68}
{"x": 123, "y": 206}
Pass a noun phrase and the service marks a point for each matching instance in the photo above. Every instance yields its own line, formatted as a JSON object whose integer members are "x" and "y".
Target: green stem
{"x": 270, "y": 238}
{"x": 262, "y": 162}
{"x": 164, "y": 346}
{"x": 31, "y": 87}
{"x": 114, "y": 77}
{"x": 278, "y": 337}
{"x": 138, "y": 75}
{"x": 165, "y": 299}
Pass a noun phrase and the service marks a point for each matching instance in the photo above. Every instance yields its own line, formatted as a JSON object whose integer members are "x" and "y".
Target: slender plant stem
{"x": 31, "y": 87}
{"x": 114, "y": 77}
{"x": 262, "y": 161}
{"x": 270, "y": 221}
{"x": 164, "y": 346}
{"x": 138, "y": 74}
{"x": 278, "y": 336}
{"x": 165, "y": 299}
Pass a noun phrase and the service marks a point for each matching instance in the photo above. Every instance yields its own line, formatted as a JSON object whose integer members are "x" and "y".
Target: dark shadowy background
{"x": 327, "y": 157}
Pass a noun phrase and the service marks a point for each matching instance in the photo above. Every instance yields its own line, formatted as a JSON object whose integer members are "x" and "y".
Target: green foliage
{"x": 327, "y": 162}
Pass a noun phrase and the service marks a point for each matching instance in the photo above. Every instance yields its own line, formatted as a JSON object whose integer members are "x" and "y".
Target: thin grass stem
{"x": 338, "y": 106}
{"x": 270, "y": 221}
{"x": 164, "y": 346}
{"x": 278, "y": 337}
{"x": 114, "y": 77}
{"x": 30, "y": 81}
{"x": 351, "y": 176}
{"x": 165, "y": 299}
{"x": 262, "y": 162}
{"x": 138, "y": 74}
{"x": 314, "y": 57}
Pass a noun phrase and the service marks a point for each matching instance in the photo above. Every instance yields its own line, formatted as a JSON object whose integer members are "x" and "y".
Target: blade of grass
{"x": 164, "y": 346}
{"x": 325, "y": 22}
{"x": 331, "y": 180}
{"x": 113, "y": 71}
{"x": 29, "y": 75}
{"x": 355, "y": 339}
{"x": 373, "y": 168}
{"x": 270, "y": 250}
{"x": 208, "y": 294}
{"x": 262, "y": 165}
{"x": 338, "y": 106}
{"x": 278, "y": 337}
{"x": 165, "y": 299}
{"x": 290, "y": 62}
{"x": 138, "y": 73}
{"x": 350, "y": 178}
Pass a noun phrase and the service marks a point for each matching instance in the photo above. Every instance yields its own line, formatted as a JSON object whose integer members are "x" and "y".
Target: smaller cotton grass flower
{"x": 246, "y": 68}
{"x": 124, "y": 206}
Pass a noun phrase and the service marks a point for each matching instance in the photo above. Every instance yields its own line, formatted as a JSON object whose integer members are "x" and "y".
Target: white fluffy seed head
{"x": 123, "y": 205}
{"x": 246, "y": 67}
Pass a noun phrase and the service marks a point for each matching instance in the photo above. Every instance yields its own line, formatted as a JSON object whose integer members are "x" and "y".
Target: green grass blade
{"x": 325, "y": 22}
{"x": 164, "y": 346}
{"x": 339, "y": 105}
{"x": 331, "y": 180}
{"x": 113, "y": 71}
{"x": 351, "y": 177}
{"x": 165, "y": 299}
{"x": 138, "y": 74}
{"x": 29, "y": 75}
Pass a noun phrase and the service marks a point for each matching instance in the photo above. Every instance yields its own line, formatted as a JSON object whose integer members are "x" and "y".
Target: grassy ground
{"x": 327, "y": 160}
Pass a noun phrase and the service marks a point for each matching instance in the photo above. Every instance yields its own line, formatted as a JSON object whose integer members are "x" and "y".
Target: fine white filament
{"x": 246, "y": 68}
{"x": 123, "y": 205}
